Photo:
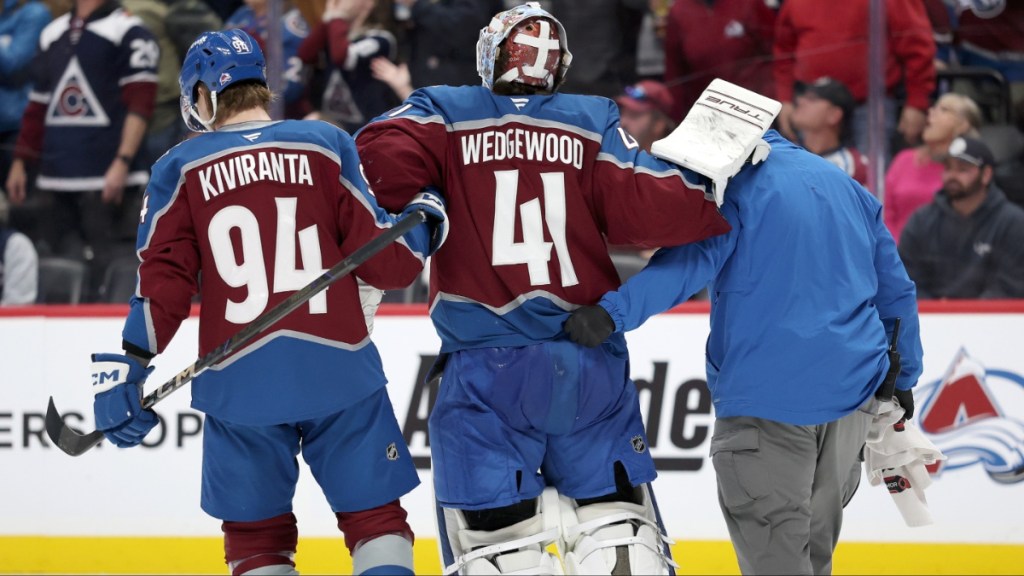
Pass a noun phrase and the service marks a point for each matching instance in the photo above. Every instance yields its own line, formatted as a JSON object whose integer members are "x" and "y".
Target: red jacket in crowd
{"x": 815, "y": 39}
{"x": 728, "y": 39}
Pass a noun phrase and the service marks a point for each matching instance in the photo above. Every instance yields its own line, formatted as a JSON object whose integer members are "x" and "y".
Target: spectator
{"x": 650, "y": 44}
{"x": 822, "y": 114}
{"x": 988, "y": 35}
{"x": 21, "y": 21}
{"x": 915, "y": 174}
{"x": 396, "y": 76}
{"x": 19, "y": 264}
{"x": 606, "y": 31}
{"x": 815, "y": 38}
{"x": 169, "y": 21}
{"x": 351, "y": 95}
{"x": 806, "y": 288}
{"x": 969, "y": 242}
{"x": 94, "y": 87}
{"x": 253, "y": 19}
{"x": 437, "y": 33}
{"x": 727, "y": 39}
{"x": 645, "y": 110}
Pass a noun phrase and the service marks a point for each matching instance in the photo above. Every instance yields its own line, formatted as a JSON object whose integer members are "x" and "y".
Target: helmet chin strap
{"x": 208, "y": 124}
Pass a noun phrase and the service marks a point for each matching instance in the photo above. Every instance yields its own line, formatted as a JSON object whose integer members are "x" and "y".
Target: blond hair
{"x": 967, "y": 109}
{"x": 243, "y": 96}
{"x": 239, "y": 98}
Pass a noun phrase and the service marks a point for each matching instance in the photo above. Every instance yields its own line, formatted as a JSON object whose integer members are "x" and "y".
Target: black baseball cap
{"x": 972, "y": 151}
{"x": 828, "y": 89}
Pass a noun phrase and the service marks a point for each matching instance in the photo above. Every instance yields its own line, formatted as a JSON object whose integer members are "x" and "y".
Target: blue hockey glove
{"x": 589, "y": 326}
{"x": 117, "y": 388}
{"x": 432, "y": 203}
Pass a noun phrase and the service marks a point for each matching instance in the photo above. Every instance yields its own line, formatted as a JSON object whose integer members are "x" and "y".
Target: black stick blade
{"x": 64, "y": 437}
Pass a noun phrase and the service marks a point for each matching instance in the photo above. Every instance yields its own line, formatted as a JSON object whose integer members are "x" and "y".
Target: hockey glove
{"x": 432, "y": 203}
{"x": 117, "y": 388}
{"x": 721, "y": 134}
{"x": 589, "y": 326}
{"x": 906, "y": 400}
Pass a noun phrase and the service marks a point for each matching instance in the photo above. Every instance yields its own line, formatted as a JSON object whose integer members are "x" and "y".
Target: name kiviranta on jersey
{"x": 244, "y": 169}
{"x": 521, "y": 144}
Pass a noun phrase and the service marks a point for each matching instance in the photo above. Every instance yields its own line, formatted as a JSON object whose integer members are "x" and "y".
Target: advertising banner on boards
{"x": 970, "y": 404}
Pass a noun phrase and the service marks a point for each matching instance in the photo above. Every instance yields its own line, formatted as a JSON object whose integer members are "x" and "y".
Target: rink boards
{"x": 131, "y": 511}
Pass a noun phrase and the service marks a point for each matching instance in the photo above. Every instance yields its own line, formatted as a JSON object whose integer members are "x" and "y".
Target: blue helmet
{"x": 217, "y": 60}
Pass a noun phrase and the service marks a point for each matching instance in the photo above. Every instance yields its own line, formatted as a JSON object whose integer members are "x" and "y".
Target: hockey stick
{"x": 75, "y": 444}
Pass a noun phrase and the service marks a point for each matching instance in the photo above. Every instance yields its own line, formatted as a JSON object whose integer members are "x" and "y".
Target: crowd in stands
{"x": 89, "y": 101}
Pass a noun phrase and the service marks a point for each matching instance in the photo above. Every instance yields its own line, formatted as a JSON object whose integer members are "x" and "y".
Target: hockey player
{"x": 805, "y": 291}
{"x": 261, "y": 208}
{"x": 94, "y": 87}
{"x": 536, "y": 183}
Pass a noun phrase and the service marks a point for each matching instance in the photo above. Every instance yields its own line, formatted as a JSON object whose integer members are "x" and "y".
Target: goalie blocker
{"x": 720, "y": 133}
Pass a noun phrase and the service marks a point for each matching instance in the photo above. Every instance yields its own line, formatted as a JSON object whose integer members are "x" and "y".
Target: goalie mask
{"x": 525, "y": 45}
{"x": 217, "y": 60}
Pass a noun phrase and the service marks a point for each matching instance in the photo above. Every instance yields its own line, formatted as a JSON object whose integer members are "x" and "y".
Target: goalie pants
{"x": 782, "y": 488}
{"x": 504, "y": 413}
{"x": 358, "y": 457}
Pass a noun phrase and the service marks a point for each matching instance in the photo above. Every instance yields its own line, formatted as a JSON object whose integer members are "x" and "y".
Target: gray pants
{"x": 782, "y": 488}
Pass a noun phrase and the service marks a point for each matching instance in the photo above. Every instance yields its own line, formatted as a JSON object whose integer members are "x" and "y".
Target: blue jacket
{"x": 19, "y": 42}
{"x": 804, "y": 292}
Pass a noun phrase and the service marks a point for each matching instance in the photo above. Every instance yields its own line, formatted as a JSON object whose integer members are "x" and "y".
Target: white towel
{"x": 897, "y": 454}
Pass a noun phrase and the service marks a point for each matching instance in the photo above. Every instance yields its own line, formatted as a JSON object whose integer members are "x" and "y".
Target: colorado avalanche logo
{"x": 74, "y": 102}
{"x": 961, "y": 415}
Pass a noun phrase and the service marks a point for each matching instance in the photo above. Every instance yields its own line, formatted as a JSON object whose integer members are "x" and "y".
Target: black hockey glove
{"x": 589, "y": 326}
{"x": 906, "y": 400}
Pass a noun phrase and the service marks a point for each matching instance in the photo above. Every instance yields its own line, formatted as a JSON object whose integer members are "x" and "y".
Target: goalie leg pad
{"x": 261, "y": 547}
{"x": 615, "y": 537}
{"x": 519, "y": 548}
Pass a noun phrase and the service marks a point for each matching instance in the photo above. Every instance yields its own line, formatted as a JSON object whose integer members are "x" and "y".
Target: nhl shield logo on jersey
{"x": 74, "y": 103}
{"x": 961, "y": 414}
{"x": 392, "y": 451}
{"x": 639, "y": 446}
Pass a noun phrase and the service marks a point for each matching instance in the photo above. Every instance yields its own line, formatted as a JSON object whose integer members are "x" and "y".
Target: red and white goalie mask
{"x": 530, "y": 55}
{"x": 526, "y": 46}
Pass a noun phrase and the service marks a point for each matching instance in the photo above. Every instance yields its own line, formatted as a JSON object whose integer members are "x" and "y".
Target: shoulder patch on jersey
{"x": 73, "y": 103}
{"x": 252, "y": 137}
{"x": 114, "y": 26}
{"x": 53, "y": 31}
{"x": 520, "y": 102}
